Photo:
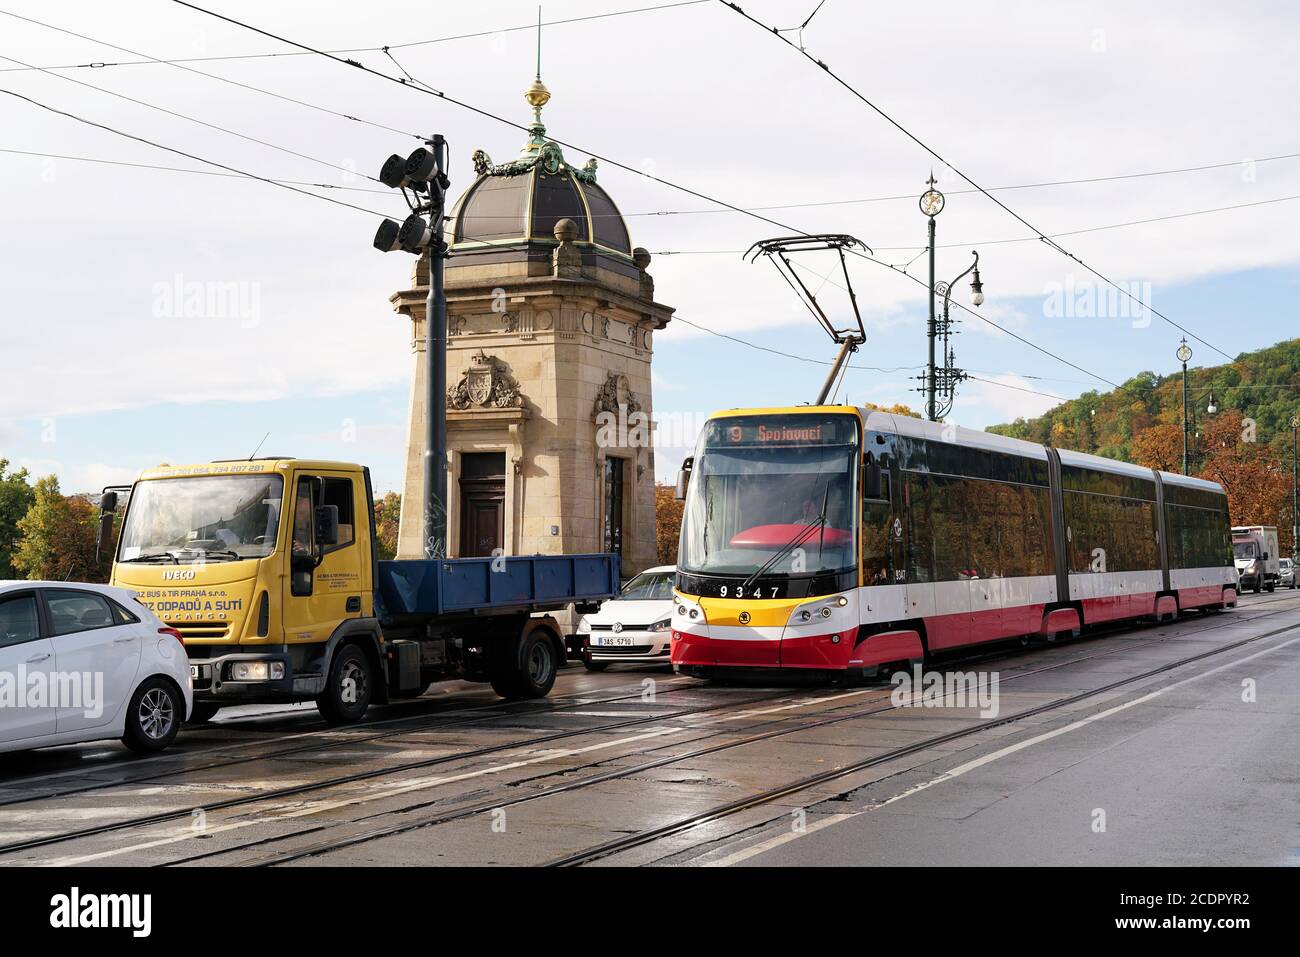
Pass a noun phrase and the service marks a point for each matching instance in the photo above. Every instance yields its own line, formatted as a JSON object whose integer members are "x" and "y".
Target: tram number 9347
{"x": 726, "y": 591}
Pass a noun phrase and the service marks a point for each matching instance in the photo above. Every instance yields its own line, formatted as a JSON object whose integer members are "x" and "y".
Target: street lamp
{"x": 946, "y": 382}
{"x": 1184, "y": 353}
{"x": 931, "y": 206}
{"x": 932, "y": 203}
{"x": 1295, "y": 522}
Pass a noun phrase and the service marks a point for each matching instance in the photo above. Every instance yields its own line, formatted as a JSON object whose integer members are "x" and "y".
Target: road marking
{"x": 991, "y": 757}
{"x": 777, "y": 841}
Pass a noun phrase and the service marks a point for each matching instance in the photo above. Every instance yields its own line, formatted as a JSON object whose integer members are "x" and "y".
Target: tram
{"x": 840, "y": 539}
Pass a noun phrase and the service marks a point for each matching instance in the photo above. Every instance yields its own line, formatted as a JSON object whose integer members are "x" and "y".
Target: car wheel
{"x": 153, "y": 717}
{"x": 347, "y": 690}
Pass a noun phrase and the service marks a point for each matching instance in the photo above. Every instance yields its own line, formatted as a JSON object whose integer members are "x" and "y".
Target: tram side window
{"x": 1198, "y": 537}
{"x": 877, "y": 564}
{"x": 920, "y": 547}
{"x": 970, "y": 528}
{"x": 1110, "y": 534}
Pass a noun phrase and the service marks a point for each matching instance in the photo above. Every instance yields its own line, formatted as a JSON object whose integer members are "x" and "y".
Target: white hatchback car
{"x": 85, "y": 662}
{"x": 636, "y": 626}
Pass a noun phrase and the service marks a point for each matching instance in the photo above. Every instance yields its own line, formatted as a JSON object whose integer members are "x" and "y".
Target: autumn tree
{"x": 1258, "y": 487}
{"x": 388, "y": 511}
{"x": 897, "y": 408}
{"x": 58, "y": 537}
{"x": 16, "y": 497}
{"x": 668, "y": 523}
{"x": 1159, "y": 447}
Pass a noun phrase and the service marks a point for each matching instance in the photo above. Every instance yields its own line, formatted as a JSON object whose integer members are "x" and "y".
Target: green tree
{"x": 388, "y": 510}
{"x": 58, "y": 537}
{"x": 16, "y": 497}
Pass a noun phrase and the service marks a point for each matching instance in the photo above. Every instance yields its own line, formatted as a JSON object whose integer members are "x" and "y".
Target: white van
{"x": 1255, "y": 553}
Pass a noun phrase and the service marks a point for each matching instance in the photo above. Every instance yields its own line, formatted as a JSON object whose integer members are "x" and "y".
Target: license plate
{"x": 615, "y": 642}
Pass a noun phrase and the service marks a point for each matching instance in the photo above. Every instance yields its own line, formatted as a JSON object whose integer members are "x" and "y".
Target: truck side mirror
{"x": 104, "y": 533}
{"x": 327, "y": 525}
{"x": 684, "y": 479}
{"x": 108, "y": 502}
{"x": 1264, "y": 557}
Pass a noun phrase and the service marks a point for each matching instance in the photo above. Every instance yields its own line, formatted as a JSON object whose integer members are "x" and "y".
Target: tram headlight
{"x": 805, "y": 615}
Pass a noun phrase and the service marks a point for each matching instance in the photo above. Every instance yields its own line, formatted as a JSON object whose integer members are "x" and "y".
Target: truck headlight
{"x": 256, "y": 670}
{"x": 664, "y": 625}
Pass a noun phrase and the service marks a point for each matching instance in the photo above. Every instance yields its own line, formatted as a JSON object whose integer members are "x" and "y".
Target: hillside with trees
{"x": 1245, "y": 444}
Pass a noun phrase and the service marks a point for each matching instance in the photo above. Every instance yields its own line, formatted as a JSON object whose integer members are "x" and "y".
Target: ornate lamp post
{"x": 931, "y": 205}
{"x": 951, "y": 375}
{"x": 1184, "y": 353}
{"x": 1295, "y": 522}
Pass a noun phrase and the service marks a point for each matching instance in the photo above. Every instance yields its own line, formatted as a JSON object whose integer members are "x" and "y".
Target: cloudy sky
{"x": 109, "y": 365}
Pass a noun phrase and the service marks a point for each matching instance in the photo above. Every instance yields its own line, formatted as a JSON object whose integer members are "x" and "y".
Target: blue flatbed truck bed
{"x": 484, "y": 619}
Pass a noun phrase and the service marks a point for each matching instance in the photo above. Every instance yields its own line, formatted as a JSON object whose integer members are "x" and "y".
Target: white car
{"x": 636, "y": 626}
{"x": 86, "y": 662}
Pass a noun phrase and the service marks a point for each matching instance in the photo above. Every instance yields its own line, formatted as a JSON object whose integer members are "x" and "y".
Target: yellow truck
{"x": 268, "y": 569}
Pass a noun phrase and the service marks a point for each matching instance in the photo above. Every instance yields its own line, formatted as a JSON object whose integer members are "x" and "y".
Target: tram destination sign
{"x": 782, "y": 430}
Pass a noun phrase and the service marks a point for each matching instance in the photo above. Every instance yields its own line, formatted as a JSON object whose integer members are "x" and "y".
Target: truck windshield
{"x": 1244, "y": 550}
{"x": 758, "y": 483}
{"x": 209, "y": 518}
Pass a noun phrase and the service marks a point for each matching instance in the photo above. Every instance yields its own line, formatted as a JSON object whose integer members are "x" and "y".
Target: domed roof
{"x": 516, "y": 205}
{"x": 501, "y": 208}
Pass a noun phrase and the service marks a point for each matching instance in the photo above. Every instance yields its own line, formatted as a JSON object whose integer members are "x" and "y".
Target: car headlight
{"x": 584, "y": 626}
{"x": 256, "y": 670}
{"x": 665, "y": 625}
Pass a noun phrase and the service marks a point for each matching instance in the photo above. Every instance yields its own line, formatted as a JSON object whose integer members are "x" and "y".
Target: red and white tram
{"x": 834, "y": 538}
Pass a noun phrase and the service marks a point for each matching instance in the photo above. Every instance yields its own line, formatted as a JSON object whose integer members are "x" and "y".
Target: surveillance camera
{"x": 386, "y": 236}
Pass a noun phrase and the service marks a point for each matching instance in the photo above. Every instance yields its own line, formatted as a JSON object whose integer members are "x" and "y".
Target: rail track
{"x": 586, "y": 701}
{"x": 494, "y": 803}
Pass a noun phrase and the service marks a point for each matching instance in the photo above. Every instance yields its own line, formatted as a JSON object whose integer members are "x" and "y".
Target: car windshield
{"x": 202, "y": 519}
{"x": 1244, "y": 549}
{"x": 775, "y": 489}
{"x": 649, "y": 586}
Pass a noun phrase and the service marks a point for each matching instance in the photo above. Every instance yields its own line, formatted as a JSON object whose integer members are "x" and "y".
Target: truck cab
{"x": 1256, "y": 555}
{"x": 268, "y": 570}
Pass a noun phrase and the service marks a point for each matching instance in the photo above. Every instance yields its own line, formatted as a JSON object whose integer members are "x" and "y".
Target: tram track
{"x": 163, "y": 817}
{"x": 492, "y": 804}
{"x": 370, "y": 774}
{"x": 769, "y": 795}
{"x": 423, "y": 724}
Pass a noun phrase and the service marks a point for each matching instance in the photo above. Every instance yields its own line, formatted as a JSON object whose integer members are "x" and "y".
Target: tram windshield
{"x": 772, "y": 494}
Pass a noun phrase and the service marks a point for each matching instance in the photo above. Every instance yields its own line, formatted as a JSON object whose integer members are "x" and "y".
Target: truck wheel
{"x": 153, "y": 717}
{"x": 526, "y": 669}
{"x": 347, "y": 690}
{"x": 203, "y": 712}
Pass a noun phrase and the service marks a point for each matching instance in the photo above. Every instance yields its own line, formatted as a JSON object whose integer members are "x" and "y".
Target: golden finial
{"x": 537, "y": 96}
